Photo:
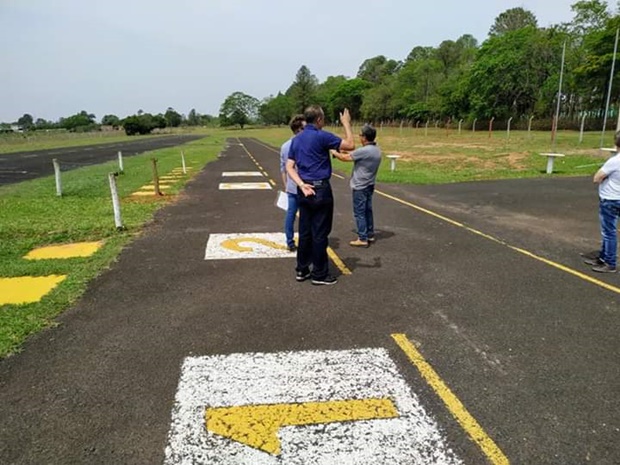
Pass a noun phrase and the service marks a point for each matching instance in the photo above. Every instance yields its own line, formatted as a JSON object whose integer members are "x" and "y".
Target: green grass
{"x": 439, "y": 158}
{"x": 31, "y": 216}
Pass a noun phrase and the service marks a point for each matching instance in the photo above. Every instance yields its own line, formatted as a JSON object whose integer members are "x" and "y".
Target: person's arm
{"x": 342, "y": 156}
{"x": 348, "y": 143}
{"x": 292, "y": 173}
{"x": 283, "y": 160}
{"x": 599, "y": 177}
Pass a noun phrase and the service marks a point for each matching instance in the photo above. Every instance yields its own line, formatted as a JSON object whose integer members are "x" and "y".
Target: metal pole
{"x": 529, "y": 127}
{"x": 155, "y": 177}
{"x": 401, "y": 126}
{"x": 473, "y": 128}
{"x": 426, "y": 128}
{"x": 583, "y": 124}
{"x": 183, "y": 162}
{"x": 611, "y": 81}
{"x": 508, "y": 131}
{"x": 460, "y": 126}
{"x": 120, "y": 162}
{"x": 557, "y": 110}
{"x": 57, "y": 175}
{"x": 116, "y": 204}
{"x": 491, "y": 127}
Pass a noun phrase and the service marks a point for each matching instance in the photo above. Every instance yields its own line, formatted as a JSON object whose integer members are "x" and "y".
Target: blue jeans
{"x": 362, "y": 211}
{"x": 289, "y": 221}
{"x": 315, "y": 223}
{"x": 609, "y": 211}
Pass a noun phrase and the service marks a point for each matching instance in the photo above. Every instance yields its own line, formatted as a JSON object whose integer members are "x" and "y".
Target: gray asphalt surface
{"x": 22, "y": 166}
{"x": 530, "y": 350}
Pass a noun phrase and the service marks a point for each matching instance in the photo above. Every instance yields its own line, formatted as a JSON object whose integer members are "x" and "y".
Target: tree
{"x": 590, "y": 15}
{"x": 303, "y": 89}
{"x": 376, "y": 70}
{"x": 82, "y": 121}
{"x": 349, "y": 94}
{"x": 111, "y": 120}
{"x": 193, "y": 118}
{"x": 276, "y": 110}
{"x": 173, "y": 119}
{"x": 324, "y": 96}
{"x": 26, "y": 122}
{"x": 513, "y": 20}
{"x": 239, "y": 109}
{"x": 143, "y": 123}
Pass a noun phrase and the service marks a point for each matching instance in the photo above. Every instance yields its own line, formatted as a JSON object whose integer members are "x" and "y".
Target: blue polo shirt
{"x": 310, "y": 150}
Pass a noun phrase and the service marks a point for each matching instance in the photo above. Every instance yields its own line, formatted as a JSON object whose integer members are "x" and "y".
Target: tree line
{"x": 514, "y": 73}
{"x": 139, "y": 123}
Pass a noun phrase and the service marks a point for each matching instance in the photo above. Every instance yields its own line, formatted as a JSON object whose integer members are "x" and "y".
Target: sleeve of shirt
{"x": 331, "y": 141}
{"x": 357, "y": 154}
{"x": 283, "y": 157}
{"x": 611, "y": 165}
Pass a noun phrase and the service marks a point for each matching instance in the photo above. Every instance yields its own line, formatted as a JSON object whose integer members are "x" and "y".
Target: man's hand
{"x": 307, "y": 189}
{"x": 345, "y": 117}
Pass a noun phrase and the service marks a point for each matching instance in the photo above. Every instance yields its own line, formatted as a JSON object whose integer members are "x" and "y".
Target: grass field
{"x": 31, "y": 216}
{"x": 440, "y": 157}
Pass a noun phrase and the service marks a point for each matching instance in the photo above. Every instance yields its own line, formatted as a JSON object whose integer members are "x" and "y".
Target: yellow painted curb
{"x": 27, "y": 289}
{"x": 64, "y": 251}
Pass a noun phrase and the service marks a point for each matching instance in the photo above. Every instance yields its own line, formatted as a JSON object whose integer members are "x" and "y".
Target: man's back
{"x": 367, "y": 160}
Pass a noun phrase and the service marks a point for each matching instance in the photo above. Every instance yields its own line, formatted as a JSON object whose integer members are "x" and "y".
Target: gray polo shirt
{"x": 366, "y": 164}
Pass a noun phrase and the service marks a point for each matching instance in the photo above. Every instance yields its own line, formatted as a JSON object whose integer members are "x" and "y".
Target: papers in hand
{"x": 282, "y": 200}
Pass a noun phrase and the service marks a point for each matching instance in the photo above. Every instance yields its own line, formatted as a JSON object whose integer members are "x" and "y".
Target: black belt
{"x": 319, "y": 183}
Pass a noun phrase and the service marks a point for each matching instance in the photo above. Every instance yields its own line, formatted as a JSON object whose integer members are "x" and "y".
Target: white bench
{"x": 610, "y": 151}
{"x": 550, "y": 159}
{"x": 393, "y": 159}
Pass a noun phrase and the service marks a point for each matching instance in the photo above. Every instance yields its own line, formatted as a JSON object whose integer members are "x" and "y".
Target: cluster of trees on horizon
{"x": 514, "y": 73}
{"x": 139, "y": 123}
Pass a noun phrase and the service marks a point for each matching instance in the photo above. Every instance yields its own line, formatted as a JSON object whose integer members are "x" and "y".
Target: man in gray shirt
{"x": 366, "y": 161}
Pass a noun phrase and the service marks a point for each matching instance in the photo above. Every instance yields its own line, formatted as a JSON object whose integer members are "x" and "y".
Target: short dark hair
{"x": 297, "y": 123}
{"x": 369, "y": 132}
{"x": 313, "y": 113}
{"x": 617, "y": 139}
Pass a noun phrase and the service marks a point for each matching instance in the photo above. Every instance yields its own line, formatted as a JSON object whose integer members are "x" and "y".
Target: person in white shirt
{"x": 608, "y": 180}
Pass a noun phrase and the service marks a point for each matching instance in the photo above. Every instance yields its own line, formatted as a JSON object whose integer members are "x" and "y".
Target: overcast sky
{"x": 63, "y": 56}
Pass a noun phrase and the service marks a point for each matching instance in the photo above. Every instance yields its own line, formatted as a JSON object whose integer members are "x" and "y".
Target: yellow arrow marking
{"x": 235, "y": 244}
{"x": 258, "y": 425}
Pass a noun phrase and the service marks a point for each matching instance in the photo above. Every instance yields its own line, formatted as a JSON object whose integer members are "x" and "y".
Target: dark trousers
{"x": 315, "y": 223}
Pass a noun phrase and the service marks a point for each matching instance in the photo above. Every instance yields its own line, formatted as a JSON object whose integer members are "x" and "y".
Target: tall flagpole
{"x": 611, "y": 81}
{"x": 557, "y": 110}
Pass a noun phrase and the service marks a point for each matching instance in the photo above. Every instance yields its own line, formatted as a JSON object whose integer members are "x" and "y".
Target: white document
{"x": 282, "y": 200}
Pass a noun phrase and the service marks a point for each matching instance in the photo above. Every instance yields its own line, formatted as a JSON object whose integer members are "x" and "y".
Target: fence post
{"x": 473, "y": 128}
{"x": 583, "y": 125}
{"x": 491, "y": 127}
{"x": 401, "y": 126}
{"x": 529, "y": 127}
{"x": 57, "y": 175}
{"x": 508, "y": 131}
{"x": 183, "y": 162}
{"x": 426, "y": 128}
{"x": 448, "y": 127}
{"x": 460, "y": 126}
{"x": 120, "y": 162}
{"x": 155, "y": 177}
{"x": 116, "y": 204}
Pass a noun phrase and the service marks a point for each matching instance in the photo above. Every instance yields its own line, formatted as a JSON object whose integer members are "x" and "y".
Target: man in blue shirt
{"x": 309, "y": 166}
{"x": 297, "y": 124}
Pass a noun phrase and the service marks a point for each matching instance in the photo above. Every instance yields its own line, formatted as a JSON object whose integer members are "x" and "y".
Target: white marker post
{"x": 508, "y": 130}
{"x": 583, "y": 125}
{"x": 183, "y": 162}
{"x": 426, "y": 128}
{"x": 116, "y": 204}
{"x": 393, "y": 159}
{"x": 529, "y": 127}
{"x": 473, "y": 128}
{"x": 120, "y": 162}
{"x": 57, "y": 175}
{"x": 460, "y": 126}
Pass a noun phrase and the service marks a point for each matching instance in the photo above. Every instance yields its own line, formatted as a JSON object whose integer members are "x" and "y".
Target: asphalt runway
{"x": 483, "y": 279}
{"x": 23, "y": 166}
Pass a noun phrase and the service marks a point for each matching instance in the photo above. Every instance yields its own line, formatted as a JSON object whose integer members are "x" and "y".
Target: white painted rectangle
{"x": 297, "y": 377}
{"x": 232, "y": 186}
{"x": 232, "y": 174}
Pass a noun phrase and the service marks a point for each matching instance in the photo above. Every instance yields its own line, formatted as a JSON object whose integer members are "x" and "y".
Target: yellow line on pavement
{"x": 558, "y": 266}
{"x": 338, "y": 262}
{"x": 455, "y": 406}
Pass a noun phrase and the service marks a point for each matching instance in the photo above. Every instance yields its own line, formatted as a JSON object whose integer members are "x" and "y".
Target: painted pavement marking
{"x": 455, "y": 406}
{"x": 226, "y": 186}
{"x": 232, "y": 174}
{"x": 254, "y": 245}
{"x": 64, "y": 251}
{"x": 299, "y": 408}
{"x": 27, "y": 289}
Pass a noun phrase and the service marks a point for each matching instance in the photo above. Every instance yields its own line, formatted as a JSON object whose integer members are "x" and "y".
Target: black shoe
{"x": 302, "y": 275}
{"x": 326, "y": 281}
{"x": 604, "y": 268}
{"x": 593, "y": 261}
{"x": 292, "y": 248}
